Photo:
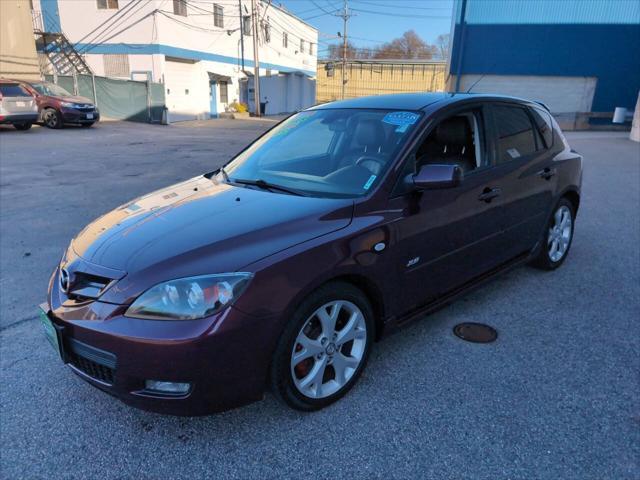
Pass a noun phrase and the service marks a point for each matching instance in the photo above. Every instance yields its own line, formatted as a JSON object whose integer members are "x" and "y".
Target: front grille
{"x": 98, "y": 364}
{"x": 93, "y": 369}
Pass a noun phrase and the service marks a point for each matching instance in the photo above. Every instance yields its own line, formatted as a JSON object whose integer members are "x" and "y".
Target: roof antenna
{"x": 476, "y": 82}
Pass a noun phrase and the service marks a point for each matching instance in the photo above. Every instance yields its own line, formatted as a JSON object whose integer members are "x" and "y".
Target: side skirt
{"x": 393, "y": 324}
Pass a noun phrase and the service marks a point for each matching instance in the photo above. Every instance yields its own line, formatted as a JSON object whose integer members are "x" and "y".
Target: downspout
{"x": 463, "y": 12}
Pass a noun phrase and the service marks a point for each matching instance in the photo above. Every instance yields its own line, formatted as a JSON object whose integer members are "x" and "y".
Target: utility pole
{"x": 345, "y": 16}
{"x": 241, "y": 33}
{"x": 256, "y": 67}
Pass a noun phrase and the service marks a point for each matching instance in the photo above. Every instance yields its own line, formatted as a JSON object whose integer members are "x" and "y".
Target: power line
{"x": 396, "y": 6}
{"x": 99, "y": 41}
{"x": 408, "y": 15}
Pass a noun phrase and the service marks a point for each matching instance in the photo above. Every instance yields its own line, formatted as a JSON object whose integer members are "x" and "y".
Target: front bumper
{"x": 73, "y": 115}
{"x": 225, "y": 357}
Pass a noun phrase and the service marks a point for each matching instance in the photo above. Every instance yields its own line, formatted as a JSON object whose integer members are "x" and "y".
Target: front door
{"x": 213, "y": 99}
{"x": 445, "y": 238}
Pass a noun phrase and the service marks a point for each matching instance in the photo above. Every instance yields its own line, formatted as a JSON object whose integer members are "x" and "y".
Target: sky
{"x": 429, "y": 18}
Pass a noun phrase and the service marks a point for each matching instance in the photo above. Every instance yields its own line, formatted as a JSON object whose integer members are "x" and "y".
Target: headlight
{"x": 68, "y": 104}
{"x": 189, "y": 298}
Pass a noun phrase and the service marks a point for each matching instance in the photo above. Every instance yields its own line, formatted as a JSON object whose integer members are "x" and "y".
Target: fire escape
{"x": 61, "y": 54}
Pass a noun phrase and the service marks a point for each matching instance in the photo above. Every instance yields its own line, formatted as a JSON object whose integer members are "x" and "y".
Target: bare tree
{"x": 443, "y": 43}
{"x": 409, "y": 46}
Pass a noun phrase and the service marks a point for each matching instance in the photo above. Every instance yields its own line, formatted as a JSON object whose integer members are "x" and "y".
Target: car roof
{"x": 414, "y": 101}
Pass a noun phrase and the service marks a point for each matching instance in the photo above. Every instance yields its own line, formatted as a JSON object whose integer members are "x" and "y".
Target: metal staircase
{"x": 64, "y": 58}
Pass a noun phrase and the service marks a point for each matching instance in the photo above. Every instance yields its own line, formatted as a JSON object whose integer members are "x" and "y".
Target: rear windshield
{"x": 13, "y": 90}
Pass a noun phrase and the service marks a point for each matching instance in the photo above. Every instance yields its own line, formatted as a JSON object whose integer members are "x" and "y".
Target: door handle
{"x": 489, "y": 194}
{"x": 547, "y": 173}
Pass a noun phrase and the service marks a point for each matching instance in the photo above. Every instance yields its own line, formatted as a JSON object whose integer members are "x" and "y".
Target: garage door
{"x": 179, "y": 79}
{"x": 560, "y": 94}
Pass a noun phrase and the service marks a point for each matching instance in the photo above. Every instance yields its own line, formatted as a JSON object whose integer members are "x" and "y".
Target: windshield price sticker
{"x": 401, "y": 118}
{"x": 372, "y": 179}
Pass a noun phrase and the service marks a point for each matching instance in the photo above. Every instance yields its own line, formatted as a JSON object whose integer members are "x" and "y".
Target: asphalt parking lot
{"x": 557, "y": 396}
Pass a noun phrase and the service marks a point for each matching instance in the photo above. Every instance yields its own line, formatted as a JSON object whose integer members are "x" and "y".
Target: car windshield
{"x": 326, "y": 152}
{"x": 52, "y": 89}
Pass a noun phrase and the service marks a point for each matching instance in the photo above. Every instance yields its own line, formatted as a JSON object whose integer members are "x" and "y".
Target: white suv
{"x": 17, "y": 105}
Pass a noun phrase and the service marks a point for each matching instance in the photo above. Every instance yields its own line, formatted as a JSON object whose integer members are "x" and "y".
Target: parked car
{"x": 17, "y": 105}
{"x": 58, "y": 107}
{"x": 282, "y": 268}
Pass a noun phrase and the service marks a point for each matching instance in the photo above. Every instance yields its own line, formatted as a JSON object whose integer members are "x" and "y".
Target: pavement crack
{"x": 17, "y": 322}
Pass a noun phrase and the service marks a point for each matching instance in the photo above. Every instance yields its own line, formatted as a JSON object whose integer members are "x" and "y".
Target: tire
{"x": 52, "y": 118}
{"x": 557, "y": 237}
{"x": 87, "y": 125}
{"x": 22, "y": 126}
{"x": 324, "y": 370}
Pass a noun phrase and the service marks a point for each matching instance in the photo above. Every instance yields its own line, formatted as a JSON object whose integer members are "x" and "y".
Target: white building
{"x": 195, "y": 47}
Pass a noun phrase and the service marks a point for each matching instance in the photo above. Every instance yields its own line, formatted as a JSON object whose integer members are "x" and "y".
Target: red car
{"x": 57, "y": 107}
{"x": 280, "y": 270}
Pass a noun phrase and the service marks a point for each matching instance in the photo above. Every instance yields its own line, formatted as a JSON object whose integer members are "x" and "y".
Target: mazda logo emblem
{"x": 64, "y": 280}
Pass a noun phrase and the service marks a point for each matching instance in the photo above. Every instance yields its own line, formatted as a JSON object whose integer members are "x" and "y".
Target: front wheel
{"x": 52, "y": 118}
{"x": 557, "y": 237}
{"x": 22, "y": 126}
{"x": 324, "y": 348}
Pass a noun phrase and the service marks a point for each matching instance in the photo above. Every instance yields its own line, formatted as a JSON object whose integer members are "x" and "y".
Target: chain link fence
{"x": 378, "y": 77}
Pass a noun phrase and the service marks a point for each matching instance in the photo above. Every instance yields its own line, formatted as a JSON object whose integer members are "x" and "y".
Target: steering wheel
{"x": 373, "y": 164}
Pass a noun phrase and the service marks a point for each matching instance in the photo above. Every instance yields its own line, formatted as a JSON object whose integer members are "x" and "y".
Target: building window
{"x": 116, "y": 65}
{"x": 267, "y": 31}
{"x": 107, "y": 4}
{"x": 246, "y": 25}
{"x": 180, "y": 7}
{"x": 310, "y": 48}
{"x": 218, "y": 16}
{"x": 224, "y": 92}
{"x": 285, "y": 40}
{"x": 301, "y": 46}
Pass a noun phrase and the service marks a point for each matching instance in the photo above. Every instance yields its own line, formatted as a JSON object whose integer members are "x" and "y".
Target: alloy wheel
{"x": 51, "y": 119}
{"x": 559, "y": 235}
{"x": 328, "y": 349}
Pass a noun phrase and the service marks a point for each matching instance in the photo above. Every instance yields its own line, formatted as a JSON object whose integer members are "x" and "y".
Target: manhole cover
{"x": 475, "y": 332}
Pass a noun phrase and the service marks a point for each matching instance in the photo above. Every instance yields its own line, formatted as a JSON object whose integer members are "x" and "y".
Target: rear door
{"x": 524, "y": 158}
{"x": 15, "y": 99}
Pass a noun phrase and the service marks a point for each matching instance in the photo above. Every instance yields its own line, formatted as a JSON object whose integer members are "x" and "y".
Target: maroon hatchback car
{"x": 280, "y": 270}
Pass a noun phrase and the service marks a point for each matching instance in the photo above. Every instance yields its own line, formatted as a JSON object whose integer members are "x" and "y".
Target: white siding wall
{"x": 148, "y": 38}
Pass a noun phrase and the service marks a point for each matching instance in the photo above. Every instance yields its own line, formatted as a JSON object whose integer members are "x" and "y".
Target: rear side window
{"x": 516, "y": 137}
{"x": 544, "y": 125}
{"x": 13, "y": 90}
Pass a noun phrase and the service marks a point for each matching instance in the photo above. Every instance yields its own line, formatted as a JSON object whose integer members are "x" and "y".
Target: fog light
{"x": 166, "y": 387}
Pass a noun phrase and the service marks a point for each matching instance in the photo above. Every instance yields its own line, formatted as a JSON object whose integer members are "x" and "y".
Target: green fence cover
{"x": 119, "y": 99}
{"x": 66, "y": 82}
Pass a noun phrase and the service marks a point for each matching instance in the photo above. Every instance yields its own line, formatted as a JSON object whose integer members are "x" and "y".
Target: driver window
{"x": 455, "y": 140}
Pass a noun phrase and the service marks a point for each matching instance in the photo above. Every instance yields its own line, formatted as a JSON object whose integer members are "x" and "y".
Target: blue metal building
{"x": 574, "y": 55}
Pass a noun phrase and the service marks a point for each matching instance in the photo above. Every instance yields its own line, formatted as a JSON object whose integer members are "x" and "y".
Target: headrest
{"x": 453, "y": 131}
{"x": 369, "y": 132}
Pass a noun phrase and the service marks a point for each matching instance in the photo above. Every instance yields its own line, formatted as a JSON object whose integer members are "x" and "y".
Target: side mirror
{"x": 431, "y": 177}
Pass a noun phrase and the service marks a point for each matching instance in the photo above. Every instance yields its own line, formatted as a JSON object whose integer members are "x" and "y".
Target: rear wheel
{"x": 52, "y": 118}
{"x": 22, "y": 126}
{"x": 324, "y": 348}
{"x": 557, "y": 237}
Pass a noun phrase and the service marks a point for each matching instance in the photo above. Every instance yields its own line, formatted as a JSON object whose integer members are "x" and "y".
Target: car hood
{"x": 72, "y": 99}
{"x": 197, "y": 227}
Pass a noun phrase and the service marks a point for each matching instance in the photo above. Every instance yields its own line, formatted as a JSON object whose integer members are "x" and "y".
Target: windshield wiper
{"x": 267, "y": 186}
